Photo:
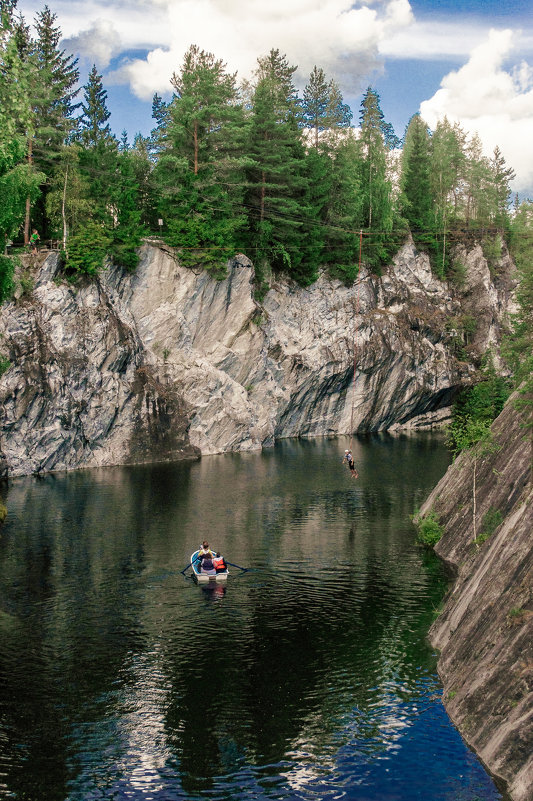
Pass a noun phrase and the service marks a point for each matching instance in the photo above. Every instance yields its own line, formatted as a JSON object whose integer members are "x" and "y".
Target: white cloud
{"x": 497, "y": 104}
{"x": 344, "y": 40}
{"x": 98, "y": 44}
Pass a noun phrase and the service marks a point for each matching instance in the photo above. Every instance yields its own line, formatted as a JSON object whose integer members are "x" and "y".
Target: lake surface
{"x": 307, "y": 677}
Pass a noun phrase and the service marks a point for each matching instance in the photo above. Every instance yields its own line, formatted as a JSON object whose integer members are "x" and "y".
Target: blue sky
{"x": 470, "y": 60}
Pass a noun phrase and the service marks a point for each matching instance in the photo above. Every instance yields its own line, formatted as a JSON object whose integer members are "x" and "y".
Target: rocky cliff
{"x": 168, "y": 363}
{"x": 485, "y": 633}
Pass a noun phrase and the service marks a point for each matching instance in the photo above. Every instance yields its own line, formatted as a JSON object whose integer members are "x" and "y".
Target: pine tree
{"x": 205, "y": 103}
{"x": 323, "y": 108}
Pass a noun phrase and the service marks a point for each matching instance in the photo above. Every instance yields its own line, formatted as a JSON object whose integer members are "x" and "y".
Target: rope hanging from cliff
{"x": 349, "y": 454}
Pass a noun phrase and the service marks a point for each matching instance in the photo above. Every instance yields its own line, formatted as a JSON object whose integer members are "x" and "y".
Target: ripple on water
{"x": 308, "y": 677}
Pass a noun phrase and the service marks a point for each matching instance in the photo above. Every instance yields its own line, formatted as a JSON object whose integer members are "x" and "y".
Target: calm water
{"x": 308, "y": 677}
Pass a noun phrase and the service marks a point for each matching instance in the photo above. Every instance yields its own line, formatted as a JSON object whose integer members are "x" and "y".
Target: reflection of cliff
{"x": 151, "y": 685}
{"x": 166, "y": 363}
{"x": 485, "y": 633}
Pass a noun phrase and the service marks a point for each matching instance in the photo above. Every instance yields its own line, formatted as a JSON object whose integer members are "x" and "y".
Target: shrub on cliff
{"x": 87, "y": 250}
{"x": 429, "y": 530}
{"x": 6, "y": 277}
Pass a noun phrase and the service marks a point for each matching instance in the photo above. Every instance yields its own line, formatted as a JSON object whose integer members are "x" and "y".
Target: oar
{"x": 238, "y": 566}
{"x": 186, "y": 568}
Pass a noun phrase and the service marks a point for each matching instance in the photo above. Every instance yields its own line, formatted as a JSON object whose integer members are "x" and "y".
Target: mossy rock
{"x": 3, "y": 512}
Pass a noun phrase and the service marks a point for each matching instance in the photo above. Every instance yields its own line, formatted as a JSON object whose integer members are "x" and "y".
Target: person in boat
{"x": 205, "y": 550}
{"x": 207, "y": 565}
{"x": 348, "y": 458}
{"x": 220, "y": 563}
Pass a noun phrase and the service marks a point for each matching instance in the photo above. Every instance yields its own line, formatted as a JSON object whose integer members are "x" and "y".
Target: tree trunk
{"x": 63, "y": 210}
{"x": 195, "y": 137}
{"x": 262, "y": 202}
{"x": 474, "y": 500}
{"x": 28, "y": 202}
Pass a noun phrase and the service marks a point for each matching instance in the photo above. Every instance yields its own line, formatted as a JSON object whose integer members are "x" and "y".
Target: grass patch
{"x": 489, "y": 524}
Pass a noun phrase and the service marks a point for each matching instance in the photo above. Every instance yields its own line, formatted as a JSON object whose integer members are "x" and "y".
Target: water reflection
{"x": 307, "y": 677}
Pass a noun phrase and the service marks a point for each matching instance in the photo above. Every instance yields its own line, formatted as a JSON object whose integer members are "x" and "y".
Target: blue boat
{"x": 205, "y": 578}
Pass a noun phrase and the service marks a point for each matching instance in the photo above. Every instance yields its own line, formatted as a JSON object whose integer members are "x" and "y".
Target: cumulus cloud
{"x": 341, "y": 37}
{"x": 98, "y": 44}
{"x": 497, "y": 104}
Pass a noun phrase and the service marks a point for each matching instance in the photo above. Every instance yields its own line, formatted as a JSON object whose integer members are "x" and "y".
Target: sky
{"x": 469, "y": 60}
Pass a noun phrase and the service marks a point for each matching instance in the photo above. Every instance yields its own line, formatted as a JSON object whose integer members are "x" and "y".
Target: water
{"x": 308, "y": 677}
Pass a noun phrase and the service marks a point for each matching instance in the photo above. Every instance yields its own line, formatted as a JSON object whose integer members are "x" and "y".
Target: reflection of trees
{"x": 86, "y": 572}
{"x": 69, "y": 573}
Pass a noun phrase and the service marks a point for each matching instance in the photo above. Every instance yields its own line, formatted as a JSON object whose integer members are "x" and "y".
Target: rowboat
{"x": 205, "y": 578}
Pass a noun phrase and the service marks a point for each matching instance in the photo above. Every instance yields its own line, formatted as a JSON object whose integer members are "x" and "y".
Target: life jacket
{"x": 218, "y": 563}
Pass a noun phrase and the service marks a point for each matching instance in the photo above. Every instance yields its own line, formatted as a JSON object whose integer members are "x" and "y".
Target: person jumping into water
{"x": 348, "y": 458}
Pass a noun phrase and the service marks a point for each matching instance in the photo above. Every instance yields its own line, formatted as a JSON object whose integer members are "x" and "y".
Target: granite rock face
{"x": 169, "y": 363}
{"x": 485, "y": 633}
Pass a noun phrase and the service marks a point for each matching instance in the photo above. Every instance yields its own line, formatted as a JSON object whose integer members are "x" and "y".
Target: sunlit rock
{"x": 168, "y": 363}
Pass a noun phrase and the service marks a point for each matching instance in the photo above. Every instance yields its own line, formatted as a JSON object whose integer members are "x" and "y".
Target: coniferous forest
{"x": 293, "y": 181}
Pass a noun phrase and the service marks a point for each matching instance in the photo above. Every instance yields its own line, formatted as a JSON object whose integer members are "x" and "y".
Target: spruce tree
{"x": 416, "y": 198}
{"x": 376, "y": 188}
{"x": 58, "y": 72}
{"x": 502, "y": 175}
{"x": 19, "y": 182}
{"x": 98, "y": 157}
{"x": 344, "y": 216}
{"x": 200, "y": 165}
{"x": 276, "y": 179}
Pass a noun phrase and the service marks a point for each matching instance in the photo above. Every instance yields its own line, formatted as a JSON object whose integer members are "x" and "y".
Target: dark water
{"x": 308, "y": 677}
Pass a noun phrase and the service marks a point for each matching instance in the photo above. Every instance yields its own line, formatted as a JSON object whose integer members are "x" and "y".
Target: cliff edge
{"x": 484, "y": 634}
{"x": 168, "y": 363}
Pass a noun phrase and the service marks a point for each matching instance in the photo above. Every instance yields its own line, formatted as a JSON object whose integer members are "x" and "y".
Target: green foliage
{"x": 518, "y": 346}
{"x": 7, "y": 268}
{"x": 5, "y": 364}
{"x": 417, "y": 205}
{"x": 254, "y": 169}
{"x": 476, "y": 408}
{"x": 323, "y": 109}
{"x": 3, "y": 511}
{"x": 491, "y": 520}
{"x": 277, "y": 180}
{"x": 200, "y": 167}
{"x": 467, "y": 432}
{"x": 429, "y": 530}
{"x": 457, "y": 273}
{"x": 87, "y": 250}
{"x": 492, "y": 250}
{"x": 27, "y": 283}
